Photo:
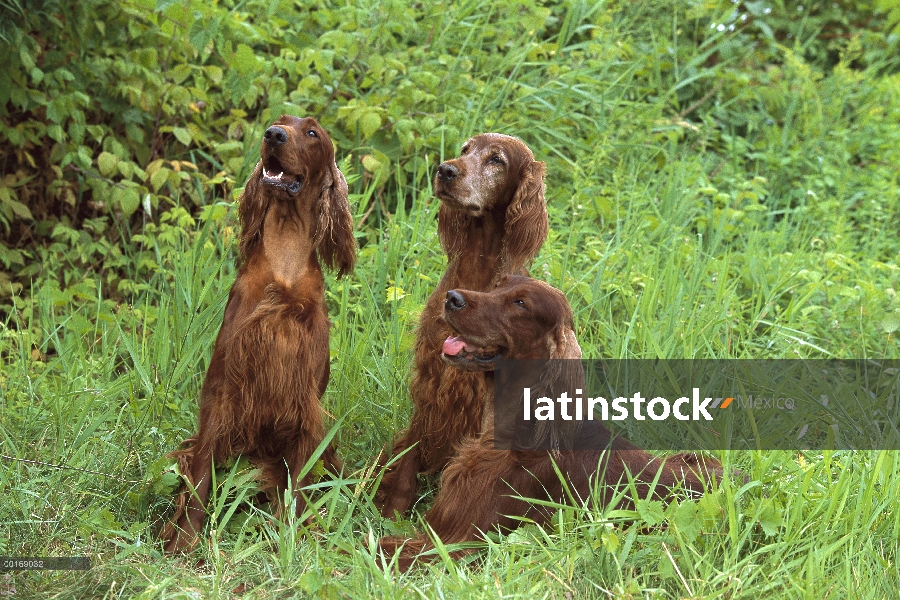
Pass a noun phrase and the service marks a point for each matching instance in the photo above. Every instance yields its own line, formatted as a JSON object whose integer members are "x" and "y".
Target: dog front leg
{"x": 184, "y": 532}
{"x": 399, "y": 484}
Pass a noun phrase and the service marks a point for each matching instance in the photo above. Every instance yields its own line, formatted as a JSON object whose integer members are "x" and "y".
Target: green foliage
{"x": 714, "y": 192}
{"x": 115, "y": 113}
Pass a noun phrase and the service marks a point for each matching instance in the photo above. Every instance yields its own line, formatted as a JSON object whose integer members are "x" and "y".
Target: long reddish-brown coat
{"x": 492, "y": 221}
{"x": 261, "y": 396}
{"x": 484, "y": 489}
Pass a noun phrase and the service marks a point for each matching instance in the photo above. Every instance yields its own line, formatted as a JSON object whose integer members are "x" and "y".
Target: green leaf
{"x": 394, "y": 294}
{"x": 84, "y": 158}
{"x": 166, "y": 483}
{"x": 214, "y": 73}
{"x": 26, "y": 58}
{"x": 711, "y": 506}
{"x": 890, "y": 323}
{"x": 371, "y": 164}
{"x": 666, "y": 569}
{"x": 183, "y": 135}
{"x": 202, "y": 31}
{"x": 159, "y": 178}
{"x": 126, "y": 168}
{"x": 610, "y": 540}
{"x": 180, "y": 73}
{"x": 369, "y": 123}
{"x": 9, "y": 257}
{"x": 128, "y": 200}
{"x": 19, "y": 209}
{"x": 55, "y": 132}
{"x": 134, "y": 132}
{"x": 768, "y": 516}
{"x": 162, "y": 5}
{"x": 108, "y": 164}
{"x": 244, "y": 60}
{"x": 651, "y": 511}
{"x": 15, "y": 136}
{"x": 686, "y": 520}
{"x": 76, "y": 132}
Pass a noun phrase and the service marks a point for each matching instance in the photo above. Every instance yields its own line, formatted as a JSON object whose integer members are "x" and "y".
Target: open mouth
{"x": 273, "y": 174}
{"x": 461, "y": 353}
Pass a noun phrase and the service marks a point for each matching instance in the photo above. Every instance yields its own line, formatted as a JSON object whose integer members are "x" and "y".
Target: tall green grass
{"x": 671, "y": 237}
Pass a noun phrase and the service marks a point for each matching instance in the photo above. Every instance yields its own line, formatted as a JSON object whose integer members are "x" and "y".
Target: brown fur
{"x": 492, "y": 221}
{"x": 261, "y": 395}
{"x": 477, "y": 487}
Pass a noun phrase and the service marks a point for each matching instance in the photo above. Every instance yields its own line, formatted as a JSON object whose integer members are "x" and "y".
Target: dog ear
{"x": 334, "y": 232}
{"x": 564, "y": 345}
{"x": 252, "y": 211}
{"x": 452, "y": 225}
{"x": 526, "y": 219}
{"x": 566, "y": 354}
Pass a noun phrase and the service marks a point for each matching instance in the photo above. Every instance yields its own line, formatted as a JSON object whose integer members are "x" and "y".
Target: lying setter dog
{"x": 525, "y": 318}
{"x": 261, "y": 396}
{"x": 492, "y": 221}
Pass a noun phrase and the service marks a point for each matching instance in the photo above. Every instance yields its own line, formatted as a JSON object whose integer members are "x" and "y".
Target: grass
{"x": 707, "y": 239}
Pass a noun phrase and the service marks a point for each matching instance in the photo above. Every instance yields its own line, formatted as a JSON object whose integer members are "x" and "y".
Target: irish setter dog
{"x": 527, "y": 319}
{"x": 261, "y": 396}
{"x": 492, "y": 221}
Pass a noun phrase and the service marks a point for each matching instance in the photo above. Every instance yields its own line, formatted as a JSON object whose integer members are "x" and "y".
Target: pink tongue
{"x": 453, "y": 346}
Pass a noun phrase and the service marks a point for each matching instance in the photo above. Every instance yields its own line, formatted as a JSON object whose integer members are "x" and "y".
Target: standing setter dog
{"x": 525, "y": 318}
{"x": 492, "y": 221}
{"x": 261, "y": 396}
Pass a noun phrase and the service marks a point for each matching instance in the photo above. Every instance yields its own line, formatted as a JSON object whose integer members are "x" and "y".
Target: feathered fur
{"x": 261, "y": 396}
{"x": 492, "y": 221}
{"x": 481, "y": 490}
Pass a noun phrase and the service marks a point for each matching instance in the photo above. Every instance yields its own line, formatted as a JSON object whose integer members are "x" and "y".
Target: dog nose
{"x": 275, "y": 136}
{"x": 446, "y": 172}
{"x": 454, "y": 301}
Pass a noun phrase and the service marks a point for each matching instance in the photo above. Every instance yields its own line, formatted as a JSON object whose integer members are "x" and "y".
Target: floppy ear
{"x": 565, "y": 356}
{"x": 334, "y": 232}
{"x": 451, "y": 229}
{"x": 564, "y": 372}
{"x": 526, "y": 219}
{"x": 564, "y": 369}
{"x": 564, "y": 345}
{"x": 252, "y": 211}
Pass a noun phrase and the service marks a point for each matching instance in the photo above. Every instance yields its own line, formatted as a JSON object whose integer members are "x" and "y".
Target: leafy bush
{"x": 116, "y": 113}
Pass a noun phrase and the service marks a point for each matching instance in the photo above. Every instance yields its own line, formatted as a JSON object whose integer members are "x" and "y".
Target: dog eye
{"x": 312, "y": 133}
{"x": 519, "y": 302}
{"x": 496, "y": 159}
{"x": 464, "y": 150}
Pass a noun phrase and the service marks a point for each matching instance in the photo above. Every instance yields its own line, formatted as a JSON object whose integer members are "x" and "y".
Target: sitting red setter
{"x": 261, "y": 396}
{"x": 526, "y": 319}
{"x": 492, "y": 221}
